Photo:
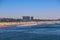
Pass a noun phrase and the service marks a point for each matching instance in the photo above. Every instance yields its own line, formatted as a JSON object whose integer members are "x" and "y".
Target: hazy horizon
{"x": 45, "y": 9}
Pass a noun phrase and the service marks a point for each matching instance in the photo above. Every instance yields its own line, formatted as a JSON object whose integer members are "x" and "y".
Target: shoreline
{"x": 32, "y": 22}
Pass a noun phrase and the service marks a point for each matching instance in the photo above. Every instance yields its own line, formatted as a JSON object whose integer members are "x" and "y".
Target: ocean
{"x": 31, "y": 32}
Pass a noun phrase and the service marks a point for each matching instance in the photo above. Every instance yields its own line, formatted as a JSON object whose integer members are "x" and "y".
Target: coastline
{"x": 32, "y": 22}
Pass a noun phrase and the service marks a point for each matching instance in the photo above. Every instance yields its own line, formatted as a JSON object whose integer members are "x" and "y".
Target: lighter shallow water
{"x": 31, "y": 32}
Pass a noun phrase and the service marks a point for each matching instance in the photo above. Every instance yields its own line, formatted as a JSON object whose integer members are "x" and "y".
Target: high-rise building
{"x": 26, "y": 18}
{"x": 32, "y": 18}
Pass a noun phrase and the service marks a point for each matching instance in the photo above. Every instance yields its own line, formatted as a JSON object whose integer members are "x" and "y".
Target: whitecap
{"x": 25, "y": 25}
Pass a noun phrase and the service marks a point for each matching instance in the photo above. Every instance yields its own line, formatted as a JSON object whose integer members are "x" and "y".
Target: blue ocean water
{"x": 31, "y": 32}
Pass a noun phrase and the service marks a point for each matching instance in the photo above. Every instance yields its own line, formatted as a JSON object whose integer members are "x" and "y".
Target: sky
{"x": 44, "y": 9}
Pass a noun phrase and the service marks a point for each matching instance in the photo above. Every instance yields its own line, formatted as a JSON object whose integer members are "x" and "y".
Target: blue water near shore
{"x": 31, "y": 32}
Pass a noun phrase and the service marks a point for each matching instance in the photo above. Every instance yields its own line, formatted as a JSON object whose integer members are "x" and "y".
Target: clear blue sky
{"x": 36, "y": 8}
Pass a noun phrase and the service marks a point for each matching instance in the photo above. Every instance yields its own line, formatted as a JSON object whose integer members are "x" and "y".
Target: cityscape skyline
{"x": 44, "y": 9}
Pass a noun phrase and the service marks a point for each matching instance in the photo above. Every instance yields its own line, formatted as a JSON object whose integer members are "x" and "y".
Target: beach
{"x": 30, "y": 32}
{"x": 32, "y": 22}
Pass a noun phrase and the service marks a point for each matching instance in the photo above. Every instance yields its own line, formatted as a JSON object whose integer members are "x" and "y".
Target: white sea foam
{"x": 26, "y": 25}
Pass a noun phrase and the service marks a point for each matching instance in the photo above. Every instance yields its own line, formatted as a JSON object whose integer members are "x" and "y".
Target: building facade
{"x": 27, "y": 18}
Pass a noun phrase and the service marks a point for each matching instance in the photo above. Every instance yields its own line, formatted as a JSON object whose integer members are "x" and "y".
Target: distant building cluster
{"x": 25, "y": 19}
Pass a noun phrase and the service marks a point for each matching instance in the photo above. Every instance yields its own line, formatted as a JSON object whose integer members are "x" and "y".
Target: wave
{"x": 30, "y": 26}
{"x": 25, "y": 25}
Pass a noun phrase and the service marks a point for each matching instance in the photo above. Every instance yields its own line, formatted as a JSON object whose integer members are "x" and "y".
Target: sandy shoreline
{"x": 14, "y": 23}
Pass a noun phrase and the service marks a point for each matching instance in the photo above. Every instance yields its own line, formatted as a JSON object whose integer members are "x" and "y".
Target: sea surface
{"x": 31, "y": 32}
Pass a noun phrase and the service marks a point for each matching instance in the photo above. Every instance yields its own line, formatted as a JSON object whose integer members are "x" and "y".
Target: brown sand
{"x": 14, "y": 23}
